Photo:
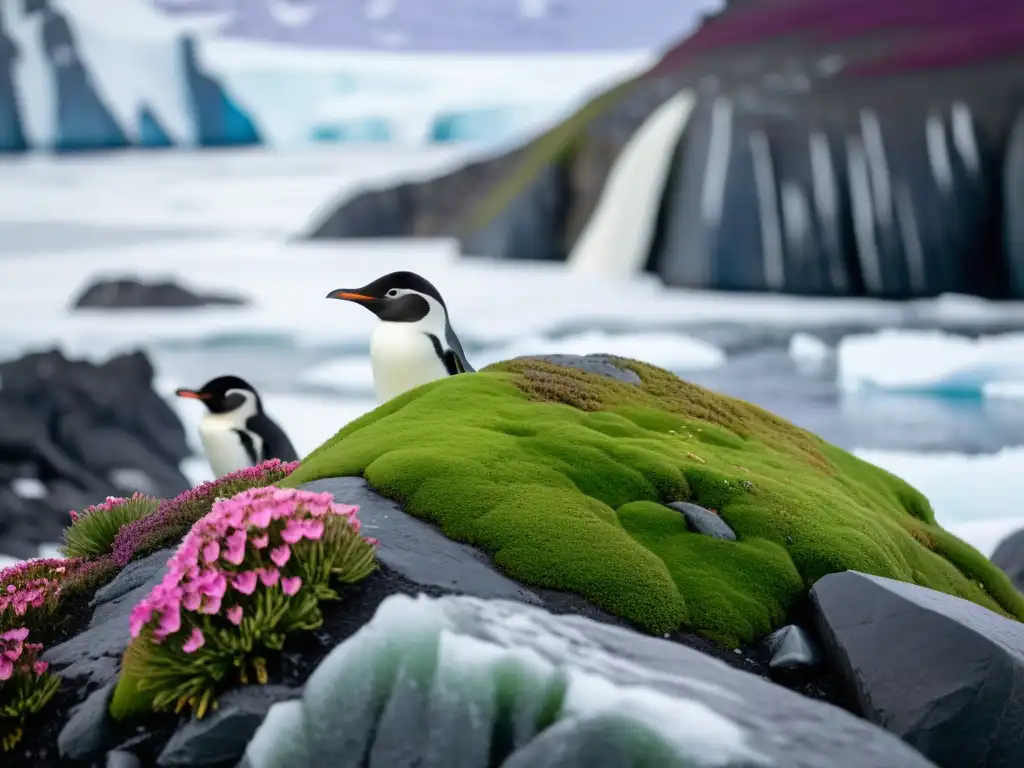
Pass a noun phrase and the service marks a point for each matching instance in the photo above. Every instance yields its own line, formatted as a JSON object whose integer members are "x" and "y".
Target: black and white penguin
{"x": 235, "y": 431}
{"x": 414, "y": 342}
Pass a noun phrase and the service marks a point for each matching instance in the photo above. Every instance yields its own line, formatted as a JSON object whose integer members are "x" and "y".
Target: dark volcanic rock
{"x": 95, "y": 655}
{"x": 84, "y": 432}
{"x": 222, "y": 735}
{"x": 401, "y": 692}
{"x": 943, "y": 673}
{"x": 418, "y": 551}
{"x": 792, "y": 647}
{"x": 703, "y": 521}
{"x": 862, "y": 151}
{"x": 128, "y": 293}
{"x": 1009, "y": 556}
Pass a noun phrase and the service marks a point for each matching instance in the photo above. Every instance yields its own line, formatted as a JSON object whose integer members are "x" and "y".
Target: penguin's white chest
{"x": 223, "y": 445}
{"x": 403, "y": 357}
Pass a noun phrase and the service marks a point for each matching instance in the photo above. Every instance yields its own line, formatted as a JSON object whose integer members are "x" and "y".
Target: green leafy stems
{"x": 93, "y": 530}
{"x": 248, "y": 574}
{"x": 25, "y": 684}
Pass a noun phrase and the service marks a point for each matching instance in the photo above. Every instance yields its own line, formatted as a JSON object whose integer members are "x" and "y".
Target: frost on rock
{"x": 458, "y": 682}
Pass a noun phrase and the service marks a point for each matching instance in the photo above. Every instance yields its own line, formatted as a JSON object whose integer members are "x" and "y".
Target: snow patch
{"x": 32, "y": 75}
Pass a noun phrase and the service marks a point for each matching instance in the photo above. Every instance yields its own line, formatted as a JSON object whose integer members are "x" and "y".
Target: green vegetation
{"x": 561, "y": 476}
{"x": 92, "y": 531}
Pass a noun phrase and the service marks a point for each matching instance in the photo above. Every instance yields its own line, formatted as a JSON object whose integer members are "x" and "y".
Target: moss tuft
{"x": 562, "y": 476}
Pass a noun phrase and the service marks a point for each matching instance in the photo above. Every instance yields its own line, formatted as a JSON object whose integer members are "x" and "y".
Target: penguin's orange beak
{"x": 346, "y": 295}
{"x": 191, "y": 394}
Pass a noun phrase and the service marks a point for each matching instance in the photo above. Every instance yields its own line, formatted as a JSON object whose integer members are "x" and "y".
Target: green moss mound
{"x": 562, "y": 476}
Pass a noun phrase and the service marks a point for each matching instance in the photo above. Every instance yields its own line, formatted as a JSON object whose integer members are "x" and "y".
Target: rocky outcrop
{"x": 129, "y": 293}
{"x": 567, "y": 642}
{"x": 826, "y": 154}
{"x": 74, "y": 433}
{"x": 944, "y": 674}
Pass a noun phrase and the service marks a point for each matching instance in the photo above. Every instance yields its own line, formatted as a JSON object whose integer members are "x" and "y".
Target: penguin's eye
{"x": 393, "y": 292}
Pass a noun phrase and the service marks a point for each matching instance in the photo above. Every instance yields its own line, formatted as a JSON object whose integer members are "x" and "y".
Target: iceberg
{"x": 932, "y": 363}
{"x": 75, "y": 75}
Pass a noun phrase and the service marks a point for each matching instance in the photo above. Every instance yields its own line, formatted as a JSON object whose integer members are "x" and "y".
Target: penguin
{"x": 414, "y": 342}
{"x": 235, "y": 431}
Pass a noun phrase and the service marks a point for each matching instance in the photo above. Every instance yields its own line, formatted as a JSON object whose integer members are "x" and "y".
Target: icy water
{"x": 226, "y": 222}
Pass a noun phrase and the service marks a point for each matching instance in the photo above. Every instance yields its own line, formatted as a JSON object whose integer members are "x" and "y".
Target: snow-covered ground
{"x": 220, "y": 221}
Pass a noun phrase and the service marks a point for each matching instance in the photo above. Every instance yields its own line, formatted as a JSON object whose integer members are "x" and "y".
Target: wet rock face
{"x": 848, "y": 163}
{"x": 944, "y": 674}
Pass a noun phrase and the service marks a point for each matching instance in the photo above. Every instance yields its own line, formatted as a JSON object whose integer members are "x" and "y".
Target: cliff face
{"x": 834, "y": 148}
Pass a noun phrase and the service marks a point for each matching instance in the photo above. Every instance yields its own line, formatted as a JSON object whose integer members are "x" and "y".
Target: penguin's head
{"x": 226, "y": 395}
{"x": 400, "y": 297}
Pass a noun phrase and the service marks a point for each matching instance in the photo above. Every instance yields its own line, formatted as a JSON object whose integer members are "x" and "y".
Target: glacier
{"x": 75, "y": 75}
{"x": 82, "y": 74}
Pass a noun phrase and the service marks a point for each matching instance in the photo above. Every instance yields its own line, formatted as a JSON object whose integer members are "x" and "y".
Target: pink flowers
{"x": 31, "y": 584}
{"x": 16, "y": 654}
{"x": 174, "y": 517}
{"x": 262, "y": 538}
{"x": 25, "y": 684}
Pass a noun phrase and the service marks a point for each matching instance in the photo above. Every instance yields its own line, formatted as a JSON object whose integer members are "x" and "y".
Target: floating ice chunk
{"x": 930, "y": 362}
{"x": 808, "y": 352}
{"x": 28, "y": 488}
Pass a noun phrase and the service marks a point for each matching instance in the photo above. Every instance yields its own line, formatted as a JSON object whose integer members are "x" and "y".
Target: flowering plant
{"x": 250, "y": 572}
{"x": 25, "y": 685}
{"x": 170, "y": 522}
{"x": 29, "y": 590}
{"x": 93, "y": 530}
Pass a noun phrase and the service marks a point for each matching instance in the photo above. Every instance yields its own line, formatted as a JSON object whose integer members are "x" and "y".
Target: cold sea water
{"x": 933, "y": 391}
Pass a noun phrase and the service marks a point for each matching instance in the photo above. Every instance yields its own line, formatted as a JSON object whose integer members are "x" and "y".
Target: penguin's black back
{"x": 276, "y": 444}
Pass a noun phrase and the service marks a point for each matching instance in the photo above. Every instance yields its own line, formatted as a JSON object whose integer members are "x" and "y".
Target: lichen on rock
{"x": 562, "y": 475}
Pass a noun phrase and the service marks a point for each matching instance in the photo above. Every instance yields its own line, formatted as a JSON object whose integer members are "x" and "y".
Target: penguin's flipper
{"x": 248, "y": 444}
{"x": 455, "y": 351}
{"x": 276, "y": 444}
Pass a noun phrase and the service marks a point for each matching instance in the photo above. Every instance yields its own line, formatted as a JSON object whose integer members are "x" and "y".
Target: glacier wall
{"x": 82, "y": 74}
{"x": 114, "y": 74}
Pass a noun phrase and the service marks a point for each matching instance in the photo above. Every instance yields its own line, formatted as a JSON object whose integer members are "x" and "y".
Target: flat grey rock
{"x": 1009, "y": 557}
{"x": 95, "y": 654}
{"x": 945, "y": 674}
{"x": 596, "y": 363}
{"x": 792, "y": 647}
{"x": 221, "y": 736}
{"x": 134, "y": 582}
{"x": 703, "y": 521}
{"x": 89, "y": 731}
{"x": 118, "y": 758}
{"x": 418, "y": 551}
{"x": 428, "y": 682}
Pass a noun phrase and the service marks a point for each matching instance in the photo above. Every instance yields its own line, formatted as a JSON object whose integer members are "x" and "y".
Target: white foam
{"x": 617, "y": 238}
{"x": 929, "y": 361}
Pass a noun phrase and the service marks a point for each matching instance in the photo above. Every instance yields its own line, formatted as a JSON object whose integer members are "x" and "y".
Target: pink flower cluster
{"x": 16, "y": 654}
{"x": 28, "y": 584}
{"x": 177, "y": 510}
{"x": 106, "y": 506}
{"x": 244, "y": 542}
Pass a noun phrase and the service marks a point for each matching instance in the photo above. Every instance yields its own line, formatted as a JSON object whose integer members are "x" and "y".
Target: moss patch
{"x": 561, "y": 475}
